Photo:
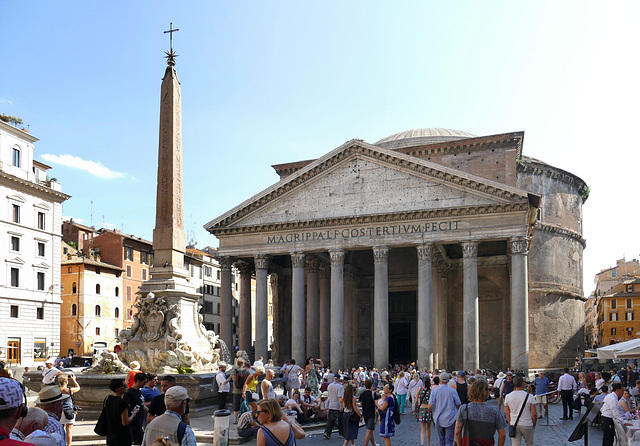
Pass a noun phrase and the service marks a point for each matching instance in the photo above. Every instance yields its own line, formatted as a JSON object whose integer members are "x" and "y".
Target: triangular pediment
{"x": 357, "y": 180}
{"x": 16, "y": 260}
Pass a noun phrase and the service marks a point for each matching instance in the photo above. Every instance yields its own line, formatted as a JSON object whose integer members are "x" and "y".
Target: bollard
{"x": 221, "y": 423}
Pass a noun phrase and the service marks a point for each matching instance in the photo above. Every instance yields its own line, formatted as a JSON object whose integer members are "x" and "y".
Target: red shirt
{"x": 9, "y": 442}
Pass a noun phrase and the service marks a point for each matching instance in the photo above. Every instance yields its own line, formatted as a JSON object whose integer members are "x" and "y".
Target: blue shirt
{"x": 444, "y": 400}
{"x": 542, "y": 385}
{"x": 148, "y": 393}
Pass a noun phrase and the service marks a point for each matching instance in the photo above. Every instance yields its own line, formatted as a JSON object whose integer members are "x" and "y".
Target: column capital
{"x": 380, "y": 254}
{"x": 325, "y": 272}
{"x": 313, "y": 264}
{"x": 243, "y": 267}
{"x": 519, "y": 245}
{"x": 469, "y": 249}
{"x": 425, "y": 252}
{"x": 297, "y": 259}
{"x": 351, "y": 279}
{"x": 225, "y": 262}
{"x": 337, "y": 257}
{"x": 262, "y": 261}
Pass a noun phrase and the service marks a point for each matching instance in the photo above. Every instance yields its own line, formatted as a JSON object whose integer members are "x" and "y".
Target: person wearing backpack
{"x": 170, "y": 425}
{"x": 238, "y": 376}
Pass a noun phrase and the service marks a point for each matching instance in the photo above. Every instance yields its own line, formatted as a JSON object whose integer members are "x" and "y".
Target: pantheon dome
{"x": 418, "y": 137}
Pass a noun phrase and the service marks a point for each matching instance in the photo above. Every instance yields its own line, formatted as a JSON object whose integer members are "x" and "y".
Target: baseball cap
{"x": 10, "y": 393}
{"x": 176, "y": 394}
{"x": 50, "y": 361}
{"x": 444, "y": 377}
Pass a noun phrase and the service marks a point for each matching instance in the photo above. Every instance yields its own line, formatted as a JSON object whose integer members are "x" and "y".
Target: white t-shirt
{"x": 514, "y": 402}
{"x": 222, "y": 386}
{"x": 599, "y": 383}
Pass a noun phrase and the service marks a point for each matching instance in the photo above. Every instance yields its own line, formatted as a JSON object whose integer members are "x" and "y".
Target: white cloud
{"x": 6, "y": 101}
{"x": 108, "y": 225}
{"x": 75, "y": 220}
{"x": 92, "y": 167}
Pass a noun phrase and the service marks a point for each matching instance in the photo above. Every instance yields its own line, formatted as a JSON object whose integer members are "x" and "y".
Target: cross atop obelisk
{"x": 170, "y": 55}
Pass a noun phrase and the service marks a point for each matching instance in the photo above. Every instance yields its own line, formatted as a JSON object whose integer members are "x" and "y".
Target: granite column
{"x": 426, "y": 333}
{"x": 381, "y": 307}
{"x": 262, "y": 341}
{"x": 519, "y": 305}
{"x": 298, "y": 314}
{"x": 337, "y": 310}
{"x": 470, "y": 320}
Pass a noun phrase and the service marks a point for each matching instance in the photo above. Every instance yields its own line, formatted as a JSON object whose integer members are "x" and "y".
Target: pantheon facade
{"x": 430, "y": 245}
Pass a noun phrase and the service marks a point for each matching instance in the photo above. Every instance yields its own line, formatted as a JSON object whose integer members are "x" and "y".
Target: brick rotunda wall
{"x": 556, "y": 311}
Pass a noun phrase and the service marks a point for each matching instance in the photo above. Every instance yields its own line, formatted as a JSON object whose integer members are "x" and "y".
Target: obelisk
{"x": 169, "y": 319}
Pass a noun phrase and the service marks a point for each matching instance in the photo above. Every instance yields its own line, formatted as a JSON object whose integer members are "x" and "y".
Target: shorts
{"x": 237, "y": 400}
{"x": 541, "y": 399}
{"x": 249, "y": 397}
{"x": 65, "y": 420}
{"x": 370, "y": 423}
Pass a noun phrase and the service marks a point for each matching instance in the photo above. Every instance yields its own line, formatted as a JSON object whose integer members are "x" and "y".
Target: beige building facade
{"x": 415, "y": 248}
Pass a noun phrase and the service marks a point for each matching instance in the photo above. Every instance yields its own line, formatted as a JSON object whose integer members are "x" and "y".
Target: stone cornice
{"x": 535, "y": 167}
{"x": 377, "y": 218}
{"x": 545, "y": 227}
{"x": 554, "y": 288}
{"x": 31, "y": 187}
{"x": 425, "y": 168}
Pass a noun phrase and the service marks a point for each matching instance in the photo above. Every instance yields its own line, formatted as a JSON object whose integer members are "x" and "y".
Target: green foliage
{"x": 185, "y": 370}
{"x": 15, "y": 120}
{"x": 584, "y": 193}
{"x": 74, "y": 245}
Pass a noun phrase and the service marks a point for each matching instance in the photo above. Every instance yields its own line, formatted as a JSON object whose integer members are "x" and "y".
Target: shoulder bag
{"x": 102, "y": 425}
{"x": 467, "y": 430}
{"x": 512, "y": 429}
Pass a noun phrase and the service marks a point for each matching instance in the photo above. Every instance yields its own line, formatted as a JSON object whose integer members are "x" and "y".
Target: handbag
{"x": 102, "y": 425}
{"x": 512, "y": 429}
{"x": 354, "y": 417}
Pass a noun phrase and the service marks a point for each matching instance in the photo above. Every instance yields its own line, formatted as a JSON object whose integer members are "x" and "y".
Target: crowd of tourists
{"x": 139, "y": 412}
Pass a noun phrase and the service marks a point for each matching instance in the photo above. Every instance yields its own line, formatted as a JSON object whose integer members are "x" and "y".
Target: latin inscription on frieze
{"x": 374, "y": 231}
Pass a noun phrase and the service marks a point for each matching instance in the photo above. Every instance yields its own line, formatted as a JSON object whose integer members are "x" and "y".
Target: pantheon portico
{"x": 413, "y": 248}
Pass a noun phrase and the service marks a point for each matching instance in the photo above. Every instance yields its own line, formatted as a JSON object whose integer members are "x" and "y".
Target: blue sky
{"x": 271, "y": 82}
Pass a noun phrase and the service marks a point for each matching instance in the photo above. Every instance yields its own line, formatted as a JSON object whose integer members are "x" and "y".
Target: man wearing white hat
{"x": 170, "y": 423}
{"x": 223, "y": 385}
{"x": 50, "y": 372}
{"x": 11, "y": 409}
{"x": 50, "y": 400}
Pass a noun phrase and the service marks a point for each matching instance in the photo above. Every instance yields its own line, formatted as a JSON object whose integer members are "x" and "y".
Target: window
{"x": 629, "y": 303}
{"x": 98, "y": 271}
{"x": 98, "y": 310}
{"x": 207, "y": 271}
{"x": 15, "y": 157}
{"x": 97, "y": 288}
{"x": 97, "y": 331}
{"x": 40, "y": 278}
{"x": 129, "y": 274}
{"x": 208, "y": 307}
{"x": 13, "y": 349}
{"x": 129, "y": 314}
{"x": 144, "y": 257}
{"x": 39, "y": 349}
{"x": 115, "y": 332}
{"x": 65, "y": 251}
{"x": 70, "y": 269}
{"x": 218, "y": 274}
{"x": 116, "y": 313}
{"x": 15, "y": 243}
{"x": 629, "y": 316}
{"x": 629, "y": 331}
{"x": 270, "y": 310}
{"x": 16, "y": 213}
{"x": 128, "y": 253}
{"x": 128, "y": 295}
{"x": 629, "y": 290}
{"x": 40, "y": 313}
{"x": 614, "y": 273}
{"x": 614, "y": 304}
{"x": 613, "y": 331}
{"x": 218, "y": 308}
{"x": 14, "y": 311}
{"x": 74, "y": 310}
{"x": 40, "y": 220}
{"x": 613, "y": 317}
{"x": 41, "y": 250}
{"x": 15, "y": 277}
{"x": 117, "y": 291}
{"x": 74, "y": 288}
{"x": 144, "y": 274}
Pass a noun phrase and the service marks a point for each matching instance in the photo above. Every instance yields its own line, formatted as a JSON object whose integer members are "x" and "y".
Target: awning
{"x": 622, "y": 350}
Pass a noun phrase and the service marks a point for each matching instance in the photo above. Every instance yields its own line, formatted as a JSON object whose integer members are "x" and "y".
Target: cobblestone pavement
{"x": 408, "y": 432}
